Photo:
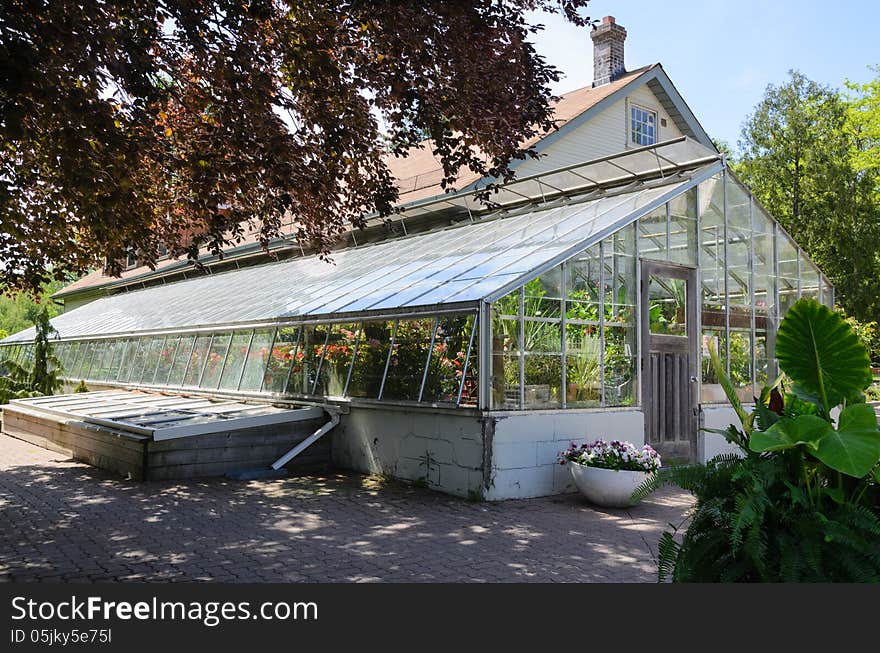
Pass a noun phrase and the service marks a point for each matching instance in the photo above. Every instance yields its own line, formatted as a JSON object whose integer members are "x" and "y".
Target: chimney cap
{"x": 608, "y": 20}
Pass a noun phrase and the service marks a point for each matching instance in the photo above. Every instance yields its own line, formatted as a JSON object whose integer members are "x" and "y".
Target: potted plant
{"x": 608, "y": 473}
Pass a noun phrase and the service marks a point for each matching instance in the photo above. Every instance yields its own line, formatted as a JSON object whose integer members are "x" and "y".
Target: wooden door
{"x": 669, "y": 358}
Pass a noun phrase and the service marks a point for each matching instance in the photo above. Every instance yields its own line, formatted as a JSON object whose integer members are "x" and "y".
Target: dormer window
{"x": 642, "y": 126}
{"x": 131, "y": 260}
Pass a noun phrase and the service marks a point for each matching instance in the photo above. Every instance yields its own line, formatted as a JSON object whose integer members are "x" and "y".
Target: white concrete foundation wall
{"x": 443, "y": 449}
{"x": 526, "y": 447}
{"x": 709, "y": 445}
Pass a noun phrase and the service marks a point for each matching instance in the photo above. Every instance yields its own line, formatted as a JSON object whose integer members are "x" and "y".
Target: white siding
{"x": 604, "y": 134}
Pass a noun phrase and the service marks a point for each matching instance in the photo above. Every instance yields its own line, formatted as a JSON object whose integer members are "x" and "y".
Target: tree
{"x": 18, "y": 381}
{"x": 18, "y": 309}
{"x": 799, "y": 155}
{"x": 131, "y": 124}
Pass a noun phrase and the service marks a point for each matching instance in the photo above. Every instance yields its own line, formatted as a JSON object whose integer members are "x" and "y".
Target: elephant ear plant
{"x": 801, "y": 502}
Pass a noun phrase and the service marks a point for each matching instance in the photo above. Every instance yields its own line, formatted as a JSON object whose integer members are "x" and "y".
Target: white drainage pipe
{"x": 298, "y": 449}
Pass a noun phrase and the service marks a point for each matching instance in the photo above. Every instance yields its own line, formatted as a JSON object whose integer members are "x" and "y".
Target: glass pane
{"x": 283, "y": 351}
{"x": 86, "y": 360}
{"x": 620, "y": 277}
{"x": 99, "y": 370}
{"x": 214, "y": 364}
{"x": 448, "y": 358}
{"x": 135, "y": 362}
{"x": 196, "y": 360}
{"x": 683, "y": 228}
{"x": 668, "y": 298}
{"x": 93, "y": 364}
{"x": 543, "y": 296}
{"x": 711, "y": 389}
{"x": 505, "y": 352}
{"x": 583, "y": 365}
{"x": 151, "y": 360}
{"x": 372, "y": 354}
{"x": 809, "y": 278}
{"x": 652, "y": 235}
{"x": 256, "y": 360}
{"x": 232, "y": 369}
{"x": 543, "y": 381}
{"x": 116, "y": 362}
{"x": 337, "y": 358}
{"x": 305, "y": 374}
{"x": 181, "y": 358}
{"x": 583, "y": 274}
{"x": 408, "y": 359}
{"x": 620, "y": 365}
{"x": 764, "y": 279}
{"x": 166, "y": 360}
{"x": 741, "y": 363}
{"x": 788, "y": 273}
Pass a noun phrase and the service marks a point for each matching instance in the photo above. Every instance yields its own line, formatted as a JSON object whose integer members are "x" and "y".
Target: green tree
{"x": 800, "y": 155}
{"x": 17, "y": 310}
{"x": 131, "y": 124}
{"x": 43, "y": 375}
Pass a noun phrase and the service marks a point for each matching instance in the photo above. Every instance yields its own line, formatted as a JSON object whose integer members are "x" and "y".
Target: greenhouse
{"x": 581, "y": 301}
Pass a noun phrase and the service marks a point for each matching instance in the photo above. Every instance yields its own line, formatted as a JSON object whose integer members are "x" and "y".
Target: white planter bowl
{"x": 610, "y": 488}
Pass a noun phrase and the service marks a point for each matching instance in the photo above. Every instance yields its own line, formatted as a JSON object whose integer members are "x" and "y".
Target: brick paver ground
{"x": 64, "y": 521}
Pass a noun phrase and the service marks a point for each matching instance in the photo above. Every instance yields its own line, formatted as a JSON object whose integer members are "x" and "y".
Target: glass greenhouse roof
{"x": 452, "y": 268}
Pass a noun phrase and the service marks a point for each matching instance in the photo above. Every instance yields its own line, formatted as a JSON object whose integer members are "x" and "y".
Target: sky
{"x": 722, "y": 54}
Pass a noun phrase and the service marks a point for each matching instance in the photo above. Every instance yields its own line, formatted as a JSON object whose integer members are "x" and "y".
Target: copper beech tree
{"x": 127, "y": 124}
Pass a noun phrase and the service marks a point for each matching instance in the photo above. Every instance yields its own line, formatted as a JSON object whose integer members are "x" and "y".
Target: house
{"x": 466, "y": 345}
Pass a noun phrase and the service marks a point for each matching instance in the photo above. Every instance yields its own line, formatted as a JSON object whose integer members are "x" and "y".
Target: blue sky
{"x": 721, "y": 54}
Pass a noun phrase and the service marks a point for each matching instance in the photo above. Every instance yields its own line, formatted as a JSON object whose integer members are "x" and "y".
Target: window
{"x": 131, "y": 260}
{"x": 643, "y": 126}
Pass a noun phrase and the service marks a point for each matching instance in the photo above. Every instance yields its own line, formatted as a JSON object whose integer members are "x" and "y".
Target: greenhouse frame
{"x": 468, "y": 351}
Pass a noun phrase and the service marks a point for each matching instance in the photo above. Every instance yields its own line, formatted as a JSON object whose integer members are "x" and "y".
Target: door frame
{"x": 687, "y": 273}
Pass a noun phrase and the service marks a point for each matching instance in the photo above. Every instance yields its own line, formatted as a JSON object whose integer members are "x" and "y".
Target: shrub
{"x": 81, "y": 387}
{"x": 802, "y": 502}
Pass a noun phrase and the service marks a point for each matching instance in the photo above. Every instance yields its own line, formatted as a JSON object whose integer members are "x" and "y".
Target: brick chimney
{"x": 608, "y": 38}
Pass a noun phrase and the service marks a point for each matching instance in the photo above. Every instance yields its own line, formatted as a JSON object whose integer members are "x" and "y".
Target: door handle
{"x": 693, "y": 378}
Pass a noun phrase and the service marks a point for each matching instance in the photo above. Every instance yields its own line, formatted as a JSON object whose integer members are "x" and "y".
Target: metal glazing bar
{"x": 137, "y": 342}
{"x": 485, "y": 372}
{"x": 173, "y": 360}
{"x": 752, "y": 308}
{"x": 192, "y": 350}
{"x": 148, "y": 347}
{"x": 638, "y": 358}
{"x": 799, "y": 271}
{"x": 158, "y": 359}
{"x": 467, "y": 358}
{"x": 726, "y": 288}
{"x": 563, "y": 346}
{"x": 205, "y": 362}
{"x": 522, "y": 348}
{"x": 602, "y": 358}
{"x": 91, "y": 361}
{"x": 244, "y": 362}
{"x": 668, "y": 235}
{"x": 268, "y": 360}
{"x": 354, "y": 353}
{"x": 428, "y": 359}
{"x": 388, "y": 359}
{"x": 225, "y": 358}
{"x": 321, "y": 361}
{"x": 299, "y": 337}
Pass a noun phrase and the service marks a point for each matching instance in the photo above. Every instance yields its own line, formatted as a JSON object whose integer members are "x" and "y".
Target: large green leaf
{"x": 854, "y": 448}
{"x": 787, "y": 433}
{"x": 822, "y": 354}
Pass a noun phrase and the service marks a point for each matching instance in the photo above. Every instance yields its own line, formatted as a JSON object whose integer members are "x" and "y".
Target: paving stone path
{"x": 62, "y": 521}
